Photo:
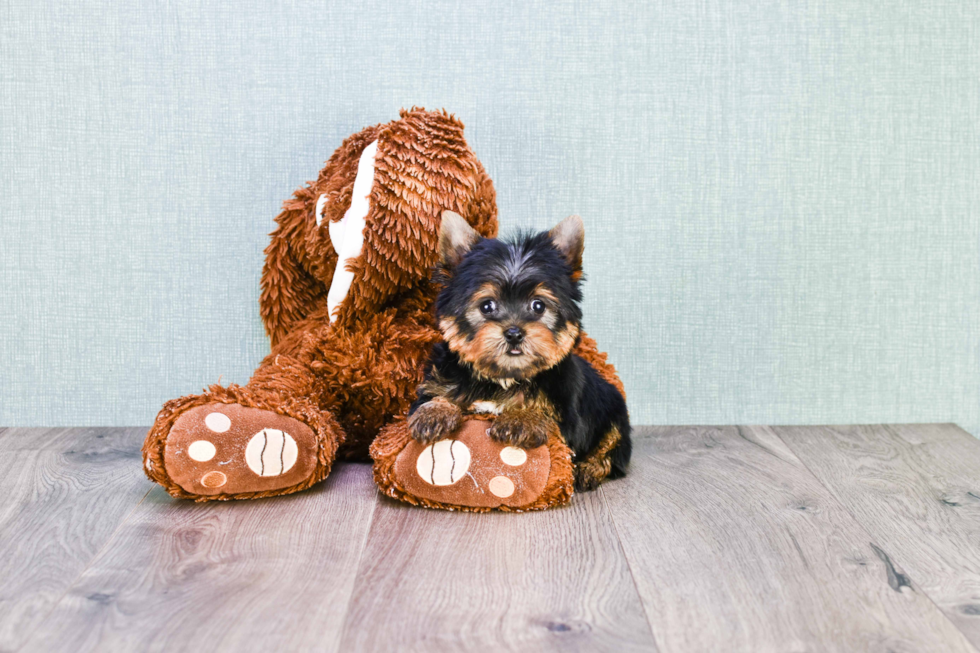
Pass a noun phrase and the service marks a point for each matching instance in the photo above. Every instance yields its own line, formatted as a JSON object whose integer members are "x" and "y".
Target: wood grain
{"x": 720, "y": 539}
{"x": 61, "y": 504}
{"x": 916, "y": 489}
{"x": 63, "y": 438}
{"x": 554, "y": 580}
{"x": 265, "y": 575}
{"x": 734, "y": 545}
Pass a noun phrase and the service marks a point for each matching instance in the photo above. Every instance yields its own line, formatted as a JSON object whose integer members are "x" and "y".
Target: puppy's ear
{"x": 569, "y": 237}
{"x": 456, "y": 239}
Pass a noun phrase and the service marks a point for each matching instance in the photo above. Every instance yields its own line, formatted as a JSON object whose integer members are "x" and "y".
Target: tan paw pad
{"x": 213, "y": 479}
{"x": 501, "y": 486}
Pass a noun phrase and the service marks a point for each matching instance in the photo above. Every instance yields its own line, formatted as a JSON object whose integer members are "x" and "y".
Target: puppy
{"x": 510, "y": 318}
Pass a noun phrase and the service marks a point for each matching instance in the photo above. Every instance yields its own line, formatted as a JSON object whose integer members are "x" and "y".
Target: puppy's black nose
{"x": 513, "y": 335}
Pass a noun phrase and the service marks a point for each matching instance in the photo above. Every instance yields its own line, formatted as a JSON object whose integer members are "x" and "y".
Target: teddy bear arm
{"x": 289, "y": 291}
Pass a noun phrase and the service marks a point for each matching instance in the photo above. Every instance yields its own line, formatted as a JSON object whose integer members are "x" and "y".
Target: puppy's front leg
{"x": 522, "y": 427}
{"x": 434, "y": 420}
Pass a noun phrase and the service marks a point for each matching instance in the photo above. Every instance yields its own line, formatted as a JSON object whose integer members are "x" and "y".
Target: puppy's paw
{"x": 590, "y": 473}
{"x": 435, "y": 420}
{"x": 523, "y": 429}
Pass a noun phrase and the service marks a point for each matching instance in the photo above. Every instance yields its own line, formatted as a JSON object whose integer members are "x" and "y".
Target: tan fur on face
{"x": 550, "y": 316}
{"x": 544, "y": 292}
{"x": 486, "y": 351}
{"x": 475, "y": 350}
{"x": 473, "y": 314}
{"x": 549, "y": 347}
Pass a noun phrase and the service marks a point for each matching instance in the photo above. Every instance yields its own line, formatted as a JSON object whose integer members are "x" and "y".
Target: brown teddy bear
{"x": 348, "y": 305}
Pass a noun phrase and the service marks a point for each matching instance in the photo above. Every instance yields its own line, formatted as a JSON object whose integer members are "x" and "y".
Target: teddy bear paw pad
{"x": 231, "y": 449}
{"x": 472, "y": 470}
{"x": 443, "y": 463}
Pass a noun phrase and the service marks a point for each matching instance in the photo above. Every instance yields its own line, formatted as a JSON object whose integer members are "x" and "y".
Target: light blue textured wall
{"x": 782, "y": 198}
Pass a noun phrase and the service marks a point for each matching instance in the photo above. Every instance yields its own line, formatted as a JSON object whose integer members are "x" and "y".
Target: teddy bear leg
{"x": 242, "y": 442}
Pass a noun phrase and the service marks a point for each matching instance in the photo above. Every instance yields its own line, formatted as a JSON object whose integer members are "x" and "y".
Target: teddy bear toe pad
{"x": 470, "y": 469}
{"x": 229, "y": 449}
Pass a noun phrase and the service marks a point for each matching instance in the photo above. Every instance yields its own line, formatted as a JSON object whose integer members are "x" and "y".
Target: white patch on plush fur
{"x": 486, "y": 407}
{"x": 321, "y": 202}
{"x": 336, "y": 231}
{"x": 347, "y": 235}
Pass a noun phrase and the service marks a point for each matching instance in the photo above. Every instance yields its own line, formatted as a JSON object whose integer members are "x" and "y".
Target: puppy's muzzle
{"x": 514, "y": 335}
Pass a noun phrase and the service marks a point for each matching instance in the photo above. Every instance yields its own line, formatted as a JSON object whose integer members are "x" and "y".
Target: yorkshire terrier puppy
{"x": 510, "y": 318}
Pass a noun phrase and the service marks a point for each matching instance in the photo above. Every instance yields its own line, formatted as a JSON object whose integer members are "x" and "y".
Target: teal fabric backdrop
{"x": 782, "y": 198}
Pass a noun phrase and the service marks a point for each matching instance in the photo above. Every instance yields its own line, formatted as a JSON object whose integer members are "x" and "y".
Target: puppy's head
{"x": 510, "y": 308}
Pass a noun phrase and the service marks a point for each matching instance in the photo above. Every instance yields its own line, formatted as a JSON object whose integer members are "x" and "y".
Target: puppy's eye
{"x": 488, "y": 306}
{"x": 537, "y": 306}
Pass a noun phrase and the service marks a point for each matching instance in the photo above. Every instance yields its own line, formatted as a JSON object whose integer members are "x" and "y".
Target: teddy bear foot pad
{"x": 470, "y": 471}
{"x": 222, "y": 449}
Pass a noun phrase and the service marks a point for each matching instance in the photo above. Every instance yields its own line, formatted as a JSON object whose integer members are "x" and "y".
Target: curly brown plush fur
{"x": 349, "y": 378}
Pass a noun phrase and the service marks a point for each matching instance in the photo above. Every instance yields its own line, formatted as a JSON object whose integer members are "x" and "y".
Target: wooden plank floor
{"x": 721, "y": 538}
